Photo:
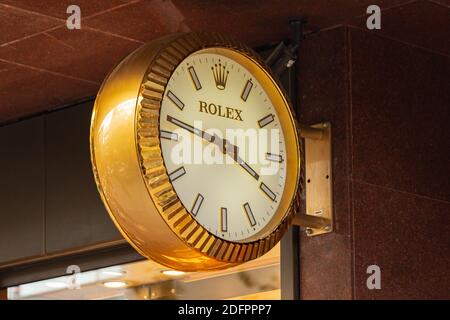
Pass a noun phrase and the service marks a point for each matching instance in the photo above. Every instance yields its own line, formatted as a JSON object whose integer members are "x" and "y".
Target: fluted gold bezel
{"x": 151, "y": 161}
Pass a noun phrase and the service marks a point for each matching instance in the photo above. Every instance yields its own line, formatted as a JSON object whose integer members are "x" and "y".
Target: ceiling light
{"x": 115, "y": 284}
{"x": 172, "y": 273}
{"x": 113, "y": 273}
{"x": 56, "y": 284}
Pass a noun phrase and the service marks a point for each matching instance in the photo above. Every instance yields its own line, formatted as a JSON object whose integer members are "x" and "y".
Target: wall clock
{"x": 190, "y": 90}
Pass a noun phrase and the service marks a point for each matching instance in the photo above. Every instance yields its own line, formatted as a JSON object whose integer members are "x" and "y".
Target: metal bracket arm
{"x": 319, "y": 206}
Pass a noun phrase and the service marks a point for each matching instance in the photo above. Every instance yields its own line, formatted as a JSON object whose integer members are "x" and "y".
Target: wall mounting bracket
{"x": 318, "y": 218}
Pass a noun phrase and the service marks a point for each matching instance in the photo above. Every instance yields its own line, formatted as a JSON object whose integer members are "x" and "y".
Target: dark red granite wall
{"x": 389, "y": 104}
{"x": 386, "y": 92}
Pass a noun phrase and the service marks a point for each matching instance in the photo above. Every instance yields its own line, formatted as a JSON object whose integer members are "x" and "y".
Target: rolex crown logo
{"x": 220, "y": 75}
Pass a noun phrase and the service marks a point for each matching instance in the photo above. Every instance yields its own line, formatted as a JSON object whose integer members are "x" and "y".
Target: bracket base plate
{"x": 318, "y": 172}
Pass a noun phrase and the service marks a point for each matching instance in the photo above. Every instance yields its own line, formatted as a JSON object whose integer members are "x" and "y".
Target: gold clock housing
{"x": 129, "y": 168}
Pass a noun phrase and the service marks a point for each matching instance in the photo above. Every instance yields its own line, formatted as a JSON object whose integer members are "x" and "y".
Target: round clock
{"x": 195, "y": 152}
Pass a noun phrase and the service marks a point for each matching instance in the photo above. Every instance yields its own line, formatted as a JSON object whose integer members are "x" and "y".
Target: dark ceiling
{"x": 43, "y": 65}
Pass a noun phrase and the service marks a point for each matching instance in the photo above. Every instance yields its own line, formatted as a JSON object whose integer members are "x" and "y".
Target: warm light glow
{"x": 172, "y": 273}
{"x": 115, "y": 284}
{"x": 56, "y": 284}
{"x": 113, "y": 273}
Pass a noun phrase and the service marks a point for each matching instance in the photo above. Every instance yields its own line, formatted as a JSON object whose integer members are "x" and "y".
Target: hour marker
{"x": 197, "y": 204}
{"x": 247, "y": 88}
{"x": 223, "y": 220}
{"x": 267, "y": 191}
{"x": 168, "y": 135}
{"x": 274, "y": 157}
{"x": 266, "y": 120}
{"x": 175, "y": 100}
{"x": 250, "y": 216}
{"x": 194, "y": 78}
{"x": 176, "y": 174}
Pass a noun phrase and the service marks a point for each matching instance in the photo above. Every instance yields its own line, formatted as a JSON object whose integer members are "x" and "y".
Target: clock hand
{"x": 220, "y": 143}
{"x": 233, "y": 151}
{"x": 191, "y": 129}
{"x": 224, "y": 145}
{"x": 247, "y": 168}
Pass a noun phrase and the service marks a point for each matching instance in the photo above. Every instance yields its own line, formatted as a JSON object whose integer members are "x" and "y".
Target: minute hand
{"x": 233, "y": 151}
{"x": 247, "y": 168}
{"x": 192, "y": 129}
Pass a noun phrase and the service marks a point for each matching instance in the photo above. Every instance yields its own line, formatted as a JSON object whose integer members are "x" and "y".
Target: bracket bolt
{"x": 309, "y": 231}
{"x": 327, "y": 228}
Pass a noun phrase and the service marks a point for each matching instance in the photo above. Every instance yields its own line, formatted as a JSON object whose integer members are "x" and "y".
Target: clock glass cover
{"x": 223, "y": 144}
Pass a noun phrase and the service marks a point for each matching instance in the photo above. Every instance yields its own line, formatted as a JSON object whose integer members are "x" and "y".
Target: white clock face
{"x": 223, "y": 145}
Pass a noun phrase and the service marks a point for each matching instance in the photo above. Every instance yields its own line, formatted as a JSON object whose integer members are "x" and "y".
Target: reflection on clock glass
{"x": 222, "y": 145}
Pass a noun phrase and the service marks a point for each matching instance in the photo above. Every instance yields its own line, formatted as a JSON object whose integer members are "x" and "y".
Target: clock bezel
{"x": 121, "y": 170}
{"x": 161, "y": 190}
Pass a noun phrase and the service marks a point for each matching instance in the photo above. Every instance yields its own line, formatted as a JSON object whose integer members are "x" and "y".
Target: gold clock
{"x": 195, "y": 152}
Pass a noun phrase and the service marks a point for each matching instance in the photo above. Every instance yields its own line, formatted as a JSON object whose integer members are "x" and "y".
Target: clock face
{"x": 223, "y": 145}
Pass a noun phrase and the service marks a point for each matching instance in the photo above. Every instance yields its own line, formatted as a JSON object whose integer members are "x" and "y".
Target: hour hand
{"x": 225, "y": 146}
